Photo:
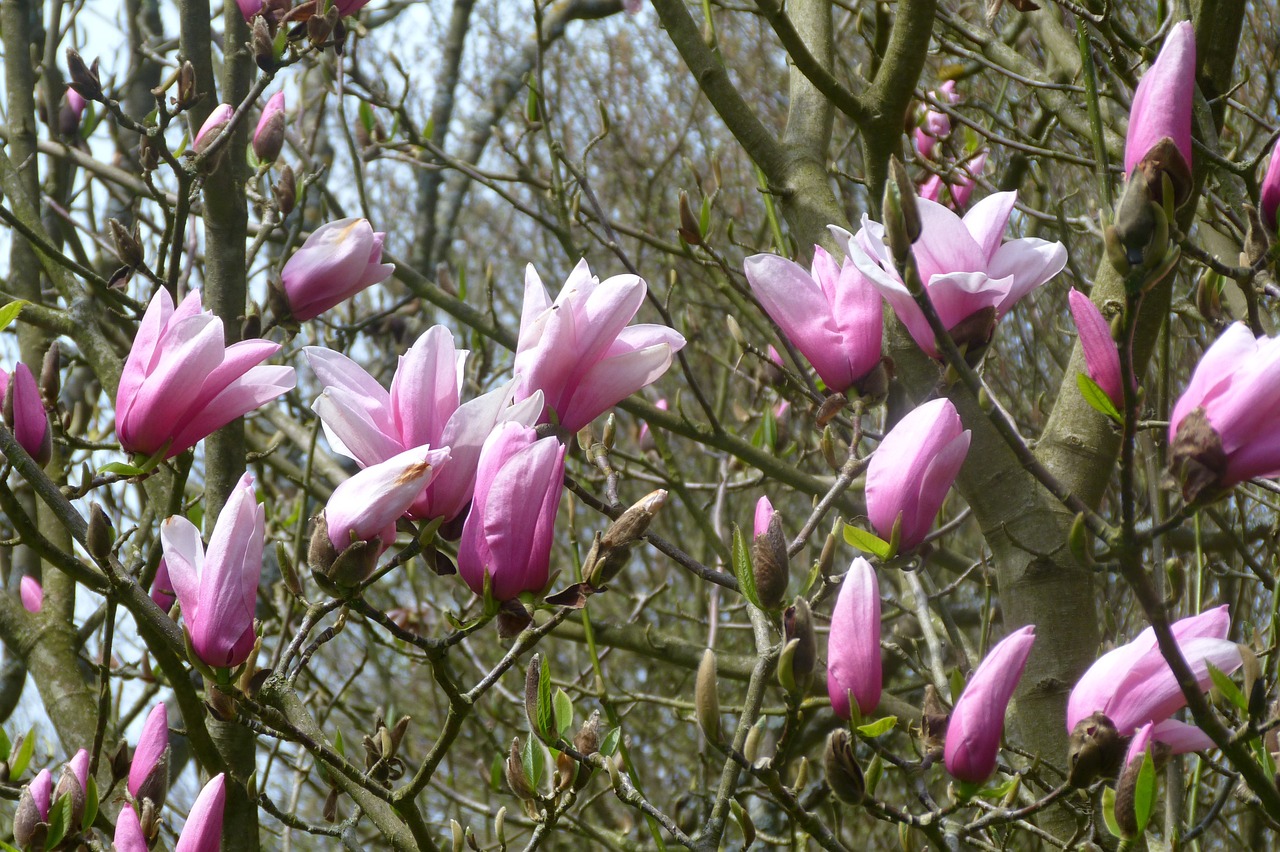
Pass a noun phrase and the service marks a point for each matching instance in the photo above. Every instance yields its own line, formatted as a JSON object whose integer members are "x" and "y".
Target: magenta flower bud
{"x": 1162, "y": 106}
{"x": 970, "y": 171}
{"x": 1270, "y": 199}
{"x": 76, "y": 102}
{"x": 250, "y": 8}
{"x": 366, "y": 506}
{"x": 832, "y": 313}
{"x": 967, "y": 271}
{"x": 33, "y": 807}
{"x": 349, "y": 7}
{"x": 579, "y": 350}
{"x": 74, "y": 782}
{"x": 1101, "y": 358}
{"x": 1139, "y": 744}
{"x": 212, "y": 127}
{"x": 24, "y": 413}
{"x": 369, "y": 425}
{"x": 508, "y": 533}
{"x": 203, "y": 831}
{"x": 931, "y": 189}
{"x": 853, "y": 647}
{"x": 129, "y": 836}
{"x": 337, "y": 261}
{"x": 977, "y": 722}
{"x": 268, "y": 136}
{"x": 1222, "y": 429}
{"x": 1132, "y": 684}
{"x": 912, "y": 470}
{"x": 162, "y": 594}
{"x": 32, "y": 593}
{"x": 645, "y": 439}
{"x": 936, "y": 125}
{"x": 764, "y": 511}
{"x": 181, "y": 382}
{"x": 218, "y": 589}
{"x": 149, "y": 770}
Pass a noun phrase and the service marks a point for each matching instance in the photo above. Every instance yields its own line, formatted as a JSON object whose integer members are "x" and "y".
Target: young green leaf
{"x": 878, "y": 727}
{"x": 867, "y": 542}
{"x": 1097, "y": 398}
{"x": 1225, "y": 685}
{"x": 1144, "y": 792}
{"x": 742, "y": 568}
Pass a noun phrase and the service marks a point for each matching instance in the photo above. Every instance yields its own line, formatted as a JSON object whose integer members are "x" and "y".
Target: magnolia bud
{"x": 532, "y": 679}
{"x": 29, "y": 826}
{"x": 98, "y": 534}
{"x": 690, "y": 229}
{"x": 286, "y": 191}
{"x": 844, "y": 775}
{"x": 587, "y": 740}
{"x": 188, "y": 94}
{"x": 128, "y": 249}
{"x": 771, "y": 564}
{"x": 517, "y": 780}
{"x": 51, "y": 376}
{"x": 84, "y": 79}
{"x": 797, "y": 626}
{"x": 933, "y": 723}
{"x": 262, "y": 44}
{"x": 907, "y": 192}
{"x": 706, "y": 697}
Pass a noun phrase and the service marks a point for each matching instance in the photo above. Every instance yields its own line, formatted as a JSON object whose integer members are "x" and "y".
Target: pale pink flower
{"x": 366, "y": 506}
{"x": 1101, "y": 358}
{"x": 853, "y": 646}
{"x": 203, "y": 831}
{"x": 1162, "y": 104}
{"x": 32, "y": 593}
{"x": 337, "y": 261}
{"x": 977, "y": 722}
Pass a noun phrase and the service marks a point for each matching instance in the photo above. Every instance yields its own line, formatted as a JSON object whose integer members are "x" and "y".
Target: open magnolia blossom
{"x": 579, "y": 350}
{"x": 972, "y": 277}
{"x": 1223, "y": 428}
{"x": 831, "y": 313}
{"x": 368, "y": 424}
{"x": 1132, "y": 685}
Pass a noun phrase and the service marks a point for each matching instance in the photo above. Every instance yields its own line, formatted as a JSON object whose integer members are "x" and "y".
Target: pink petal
{"x": 152, "y": 743}
{"x": 203, "y": 831}
{"x": 1162, "y": 104}
{"x": 1100, "y": 354}
{"x": 977, "y": 722}
{"x": 853, "y": 646}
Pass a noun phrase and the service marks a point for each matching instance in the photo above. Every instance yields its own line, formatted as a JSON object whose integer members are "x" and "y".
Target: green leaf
{"x": 966, "y": 790}
{"x": 1109, "y": 812}
{"x": 338, "y": 745}
{"x": 1097, "y": 398}
{"x": 366, "y": 117}
{"x": 5, "y": 847}
{"x": 704, "y": 217}
{"x": 1144, "y": 792}
{"x": 497, "y": 770}
{"x": 90, "y": 804}
{"x": 59, "y": 822}
{"x": 564, "y": 713}
{"x": 609, "y": 745}
{"x": 546, "y": 710}
{"x": 878, "y": 727}
{"x": 742, "y": 568}
{"x": 25, "y": 747}
{"x": 1227, "y": 687}
{"x": 1000, "y": 790}
{"x": 534, "y": 760}
{"x": 875, "y": 771}
{"x": 6, "y": 747}
{"x": 121, "y": 469}
{"x": 867, "y": 542}
{"x": 10, "y": 312}
{"x": 955, "y": 685}
{"x": 770, "y": 427}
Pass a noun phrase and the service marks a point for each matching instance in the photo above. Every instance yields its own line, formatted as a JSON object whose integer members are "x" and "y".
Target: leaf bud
{"x": 84, "y": 78}
{"x": 844, "y": 775}
{"x": 98, "y": 534}
{"x": 517, "y": 780}
{"x": 706, "y": 697}
{"x": 770, "y": 563}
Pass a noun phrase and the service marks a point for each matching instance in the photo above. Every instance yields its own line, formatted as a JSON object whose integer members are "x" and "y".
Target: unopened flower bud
{"x": 770, "y": 562}
{"x": 933, "y": 723}
{"x": 262, "y": 44}
{"x": 907, "y": 192}
{"x": 844, "y": 775}
{"x": 188, "y": 93}
{"x": 706, "y": 697}
{"x": 30, "y": 820}
{"x": 128, "y": 249}
{"x": 73, "y": 783}
{"x": 286, "y": 191}
{"x": 98, "y": 538}
{"x": 532, "y": 680}
{"x": 84, "y": 78}
{"x": 797, "y": 626}
{"x": 321, "y": 553}
{"x": 690, "y": 229}
{"x": 755, "y": 736}
{"x": 268, "y": 137}
{"x": 587, "y": 740}
{"x": 517, "y": 780}
{"x": 51, "y": 376}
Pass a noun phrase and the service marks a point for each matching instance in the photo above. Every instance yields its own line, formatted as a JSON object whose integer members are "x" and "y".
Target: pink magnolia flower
{"x": 853, "y": 647}
{"x": 966, "y": 269}
{"x": 76, "y": 102}
{"x": 579, "y": 350}
{"x": 1132, "y": 684}
{"x": 936, "y": 125}
{"x": 212, "y": 127}
{"x": 912, "y": 470}
{"x": 32, "y": 593}
{"x": 832, "y": 313}
{"x": 72, "y": 110}
{"x": 268, "y": 136}
{"x": 764, "y": 512}
{"x": 366, "y": 423}
{"x": 74, "y": 782}
{"x": 1162, "y": 103}
{"x": 977, "y": 722}
{"x": 337, "y": 261}
{"x": 931, "y": 189}
{"x": 162, "y": 594}
{"x": 129, "y": 836}
{"x": 1270, "y": 200}
{"x": 181, "y": 382}
{"x": 203, "y": 831}
{"x": 24, "y": 413}
{"x": 508, "y": 533}
{"x": 349, "y": 7}
{"x": 1101, "y": 358}
{"x": 366, "y": 506}
{"x": 1222, "y": 429}
{"x": 149, "y": 770}
{"x": 33, "y": 807}
{"x": 218, "y": 590}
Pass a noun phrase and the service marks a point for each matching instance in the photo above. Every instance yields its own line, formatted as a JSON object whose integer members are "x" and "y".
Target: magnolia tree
{"x": 594, "y": 425}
